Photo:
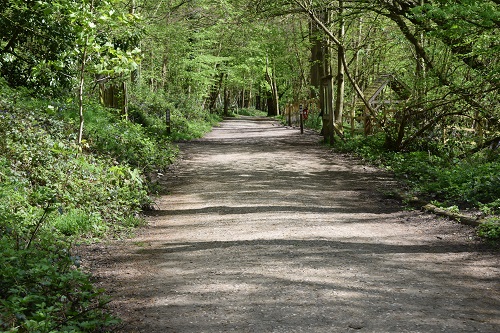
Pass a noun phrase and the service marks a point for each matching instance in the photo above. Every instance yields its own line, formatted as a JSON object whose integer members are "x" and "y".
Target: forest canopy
{"x": 440, "y": 56}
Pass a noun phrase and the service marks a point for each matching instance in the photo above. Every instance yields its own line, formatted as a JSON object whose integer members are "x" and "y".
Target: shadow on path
{"x": 265, "y": 230}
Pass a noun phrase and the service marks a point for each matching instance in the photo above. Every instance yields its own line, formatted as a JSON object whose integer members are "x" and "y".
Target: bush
{"x": 51, "y": 193}
{"x": 77, "y": 222}
{"x": 145, "y": 148}
{"x": 251, "y": 112}
{"x": 188, "y": 120}
{"x": 490, "y": 229}
{"x": 466, "y": 182}
{"x": 42, "y": 290}
{"x": 314, "y": 121}
{"x": 40, "y": 167}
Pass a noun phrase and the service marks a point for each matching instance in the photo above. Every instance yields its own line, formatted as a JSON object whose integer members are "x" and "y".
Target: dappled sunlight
{"x": 264, "y": 230}
{"x": 308, "y": 282}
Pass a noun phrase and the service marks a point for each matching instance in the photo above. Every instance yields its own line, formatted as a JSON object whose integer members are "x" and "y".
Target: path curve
{"x": 265, "y": 230}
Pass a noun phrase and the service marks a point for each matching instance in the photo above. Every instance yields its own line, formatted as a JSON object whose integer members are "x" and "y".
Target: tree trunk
{"x": 313, "y": 16}
{"x": 316, "y": 71}
{"x": 125, "y": 100}
{"x": 273, "y": 97}
{"x": 226, "y": 98}
{"x": 80, "y": 92}
{"x": 215, "y": 91}
{"x": 270, "y": 105}
{"x": 250, "y": 97}
{"x": 356, "y": 76}
{"x": 339, "y": 103}
{"x": 329, "y": 113}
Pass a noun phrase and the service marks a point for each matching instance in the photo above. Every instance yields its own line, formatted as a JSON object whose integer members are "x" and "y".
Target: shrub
{"x": 490, "y": 229}
{"x": 473, "y": 181}
{"x": 193, "y": 127}
{"x": 42, "y": 290}
{"x": 188, "y": 119}
{"x": 252, "y": 112}
{"x": 52, "y": 192}
{"x": 77, "y": 221}
{"x": 145, "y": 148}
{"x": 40, "y": 167}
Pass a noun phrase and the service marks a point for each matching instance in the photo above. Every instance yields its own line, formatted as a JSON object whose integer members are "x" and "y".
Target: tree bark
{"x": 215, "y": 91}
{"x": 344, "y": 61}
{"x": 339, "y": 103}
{"x": 80, "y": 92}
{"x": 273, "y": 99}
{"x": 356, "y": 76}
{"x": 226, "y": 99}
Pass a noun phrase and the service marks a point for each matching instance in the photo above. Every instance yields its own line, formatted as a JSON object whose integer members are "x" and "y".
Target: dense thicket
{"x": 86, "y": 85}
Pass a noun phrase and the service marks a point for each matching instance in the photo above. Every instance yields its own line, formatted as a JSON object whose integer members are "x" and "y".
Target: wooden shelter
{"x": 383, "y": 93}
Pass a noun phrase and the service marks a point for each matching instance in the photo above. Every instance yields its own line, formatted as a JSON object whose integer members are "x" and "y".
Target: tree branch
{"x": 344, "y": 61}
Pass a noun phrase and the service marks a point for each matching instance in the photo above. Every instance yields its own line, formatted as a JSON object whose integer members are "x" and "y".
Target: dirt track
{"x": 264, "y": 230}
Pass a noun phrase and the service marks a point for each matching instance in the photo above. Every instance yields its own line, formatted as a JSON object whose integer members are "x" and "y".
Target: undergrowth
{"x": 251, "y": 112}
{"x": 42, "y": 289}
{"x": 187, "y": 119}
{"x": 490, "y": 229}
{"x": 55, "y": 193}
{"x": 471, "y": 182}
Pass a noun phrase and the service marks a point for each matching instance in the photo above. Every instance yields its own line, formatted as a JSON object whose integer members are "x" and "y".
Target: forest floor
{"x": 262, "y": 229}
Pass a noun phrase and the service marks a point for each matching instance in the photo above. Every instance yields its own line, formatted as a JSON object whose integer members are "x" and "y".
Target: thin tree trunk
{"x": 275, "y": 95}
{"x": 339, "y": 103}
{"x": 356, "y": 77}
{"x": 420, "y": 51}
{"x": 273, "y": 99}
{"x": 125, "y": 100}
{"x": 344, "y": 61}
{"x": 80, "y": 91}
{"x": 226, "y": 97}
{"x": 328, "y": 83}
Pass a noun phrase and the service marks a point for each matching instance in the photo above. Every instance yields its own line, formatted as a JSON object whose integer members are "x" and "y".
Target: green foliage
{"x": 470, "y": 182}
{"x": 41, "y": 162}
{"x": 370, "y": 148}
{"x": 42, "y": 42}
{"x": 188, "y": 129}
{"x": 314, "y": 121}
{"x": 42, "y": 290}
{"x": 188, "y": 119}
{"x": 54, "y": 192}
{"x": 127, "y": 142}
{"x": 490, "y": 229}
{"x": 252, "y": 112}
{"x": 77, "y": 222}
{"x": 37, "y": 38}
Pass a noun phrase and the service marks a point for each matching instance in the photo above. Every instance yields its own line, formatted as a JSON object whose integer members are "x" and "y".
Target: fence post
{"x": 167, "y": 119}
{"x": 301, "y": 113}
{"x": 289, "y": 109}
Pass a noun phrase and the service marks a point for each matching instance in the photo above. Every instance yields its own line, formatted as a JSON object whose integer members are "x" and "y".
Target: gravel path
{"x": 264, "y": 230}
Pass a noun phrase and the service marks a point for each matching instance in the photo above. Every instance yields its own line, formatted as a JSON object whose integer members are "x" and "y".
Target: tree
{"x": 36, "y": 42}
{"x": 453, "y": 87}
{"x": 464, "y": 31}
{"x": 94, "y": 25}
